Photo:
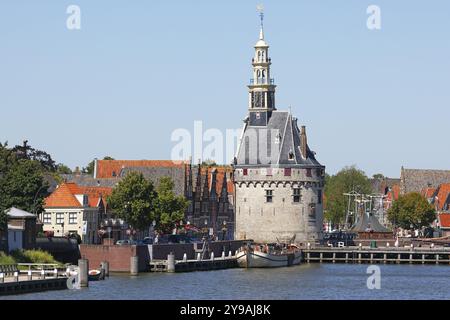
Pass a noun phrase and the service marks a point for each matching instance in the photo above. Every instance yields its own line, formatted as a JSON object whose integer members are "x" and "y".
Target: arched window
{"x": 259, "y": 56}
{"x": 263, "y": 56}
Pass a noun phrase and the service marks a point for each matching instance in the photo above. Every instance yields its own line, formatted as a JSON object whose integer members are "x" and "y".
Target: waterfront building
{"x": 75, "y": 210}
{"x": 21, "y": 229}
{"x": 278, "y": 181}
{"x": 208, "y": 188}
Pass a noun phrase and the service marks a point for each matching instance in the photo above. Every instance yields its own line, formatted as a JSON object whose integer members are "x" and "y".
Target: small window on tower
{"x": 269, "y": 195}
{"x": 308, "y": 172}
{"x": 296, "y": 194}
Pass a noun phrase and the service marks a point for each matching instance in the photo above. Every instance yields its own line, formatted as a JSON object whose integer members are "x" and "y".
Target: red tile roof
{"x": 442, "y": 194}
{"x": 444, "y": 219}
{"x": 428, "y": 192}
{"x": 395, "y": 191}
{"x": 107, "y": 168}
{"x": 65, "y": 196}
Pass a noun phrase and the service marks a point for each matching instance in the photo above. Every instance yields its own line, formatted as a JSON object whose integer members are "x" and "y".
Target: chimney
{"x": 95, "y": 168}
{"x": 304, "y": 142}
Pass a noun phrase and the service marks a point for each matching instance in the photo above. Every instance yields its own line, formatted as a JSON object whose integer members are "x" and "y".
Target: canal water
{"x": 308, "y": 281}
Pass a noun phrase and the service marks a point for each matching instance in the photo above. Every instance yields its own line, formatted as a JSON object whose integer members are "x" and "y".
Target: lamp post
{"x": 206, "y": 228}
{"x": 224, "y": 229}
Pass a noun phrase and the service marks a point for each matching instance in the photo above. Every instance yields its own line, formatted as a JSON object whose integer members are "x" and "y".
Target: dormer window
{"x": 291, "y": 155}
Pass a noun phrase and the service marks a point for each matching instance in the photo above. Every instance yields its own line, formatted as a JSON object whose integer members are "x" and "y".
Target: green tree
{"x": 63, "y": 169}
{"x": 411, "y": 211}
{"x": 347, "y": 180}
{"x": 26, "y": 152}
{"x": 133, "y": 200}
{"x": 170, "y": 208}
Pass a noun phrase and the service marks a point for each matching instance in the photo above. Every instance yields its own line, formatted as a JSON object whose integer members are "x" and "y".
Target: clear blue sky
{"x": 137, "y": 70}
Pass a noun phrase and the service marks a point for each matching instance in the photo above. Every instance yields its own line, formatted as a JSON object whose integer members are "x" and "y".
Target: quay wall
{"x": 119, "y": 257}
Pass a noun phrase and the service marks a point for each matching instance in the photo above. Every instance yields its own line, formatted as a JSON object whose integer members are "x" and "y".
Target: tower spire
{"x": 260, "y": 9}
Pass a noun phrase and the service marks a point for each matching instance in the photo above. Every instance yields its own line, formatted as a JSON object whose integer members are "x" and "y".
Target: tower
{"x": 278, "y": 181}
{"x": 261, "y": 95}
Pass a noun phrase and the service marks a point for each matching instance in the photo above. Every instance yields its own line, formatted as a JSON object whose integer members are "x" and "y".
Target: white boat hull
{"x": 257, "y": 259}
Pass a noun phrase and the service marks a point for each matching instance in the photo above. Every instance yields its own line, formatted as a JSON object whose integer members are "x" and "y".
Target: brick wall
{"x": 118, "y": 256}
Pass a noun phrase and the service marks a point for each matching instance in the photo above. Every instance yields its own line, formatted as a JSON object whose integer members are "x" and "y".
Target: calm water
{"x": 311, "y": 282}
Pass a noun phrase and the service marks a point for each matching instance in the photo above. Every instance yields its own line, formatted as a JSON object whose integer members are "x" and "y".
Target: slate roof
{"x": 369, "y": 222}
{"x": 18, "y": 213}
{"x": 415, "y": 180}
{"x": 154, "y": 174}
{"x": 257, "y": 142}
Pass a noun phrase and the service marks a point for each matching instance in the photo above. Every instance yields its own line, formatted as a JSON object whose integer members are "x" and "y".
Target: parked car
{"x": 125, "y": 242}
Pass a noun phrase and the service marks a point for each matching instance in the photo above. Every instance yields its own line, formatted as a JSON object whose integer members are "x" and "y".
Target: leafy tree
{"x": 133, "y": 200}
{"x": 27, "y": 152}
{"x": 63, "y": 169}
{"x": 411, "y": 211}
{"x": 347, "y": 180}
{"x": 23, "y": 186}
{"x": 170, "y": 208}
{"x": 378, "y": 176}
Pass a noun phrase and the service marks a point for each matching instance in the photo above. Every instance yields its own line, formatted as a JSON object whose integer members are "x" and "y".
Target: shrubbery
{"x": 27, "y": 256}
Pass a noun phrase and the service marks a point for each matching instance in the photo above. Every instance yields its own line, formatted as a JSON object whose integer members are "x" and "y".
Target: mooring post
{"x": 230, "y": 254}
{"x": 359, "y": 258}
{"x": 437, "y": 259}
{"x": 334, "y": 257}
{"x": 30, "y": 276}
{"x": 171, "y": 262}
{"x": 185, "y": 257}
{"x": 399, "y": 258}
{"x": 423, "y": 259}
{"x": 321, "y": 257}
{"x": 83, "y": 265}
{"x": 105, "y": 267}
{"x": 212, "y": 256}
{"x": 346, "y": 257}
{"x": 199, "y": 257}
{"x": 55, "y": 273}
{"x": 16, "y": 276}
{"x": 134, "y": 265}
{"x": 385, "y": 258}
{"x": 308, "y": 257}
{"x": 2, "y": 277}
{"x": 42, "y": 274}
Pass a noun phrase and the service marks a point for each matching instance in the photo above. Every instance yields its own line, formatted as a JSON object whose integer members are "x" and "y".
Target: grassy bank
{"x": 27, "y": 256}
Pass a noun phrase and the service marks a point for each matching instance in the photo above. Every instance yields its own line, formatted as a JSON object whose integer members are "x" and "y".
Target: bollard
{"x": 16, "y": 276}
{"x": 309, "y": 245}
{"x": 83, "y": 266}
{"x": 42, "y": 274}
{"x": 230, "y": 254}
{"x": 171, "y": 262}
{"x": 223, "y": 255}
{"x": 387, "y": 244}
{"x": 236, "y": 253}
{"x": 212, "y": 256}
{"x": 134, "y": 265}
{"x": 30, "y": 276}
{"x": 2, "y": 277}
{"x": 105, "y": 267}
{"x": 185, "y": 257}
{"x": 55, "y": 273}
{"x": 199, "y": 257}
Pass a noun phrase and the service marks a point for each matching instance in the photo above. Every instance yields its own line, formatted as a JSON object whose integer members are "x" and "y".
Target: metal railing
{"x": 262, "y": 81}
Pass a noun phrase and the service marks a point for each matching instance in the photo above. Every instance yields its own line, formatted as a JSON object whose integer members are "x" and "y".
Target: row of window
{"x": 47, "y": 218}
{"x": 296, "y": 195}
{"x": 287, "y": 172}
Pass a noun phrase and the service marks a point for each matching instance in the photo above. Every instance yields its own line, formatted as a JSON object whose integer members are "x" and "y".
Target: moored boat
{"x": 268, "y": 256}
{"x": 94, "y": 275}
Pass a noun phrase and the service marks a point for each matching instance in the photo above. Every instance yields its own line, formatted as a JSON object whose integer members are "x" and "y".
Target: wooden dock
{"x": 37, "y": 278}
{"x": 378, "y": 255}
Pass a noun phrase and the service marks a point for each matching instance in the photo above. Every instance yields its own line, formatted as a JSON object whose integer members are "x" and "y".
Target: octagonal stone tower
{"x": 278, "y": 181}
